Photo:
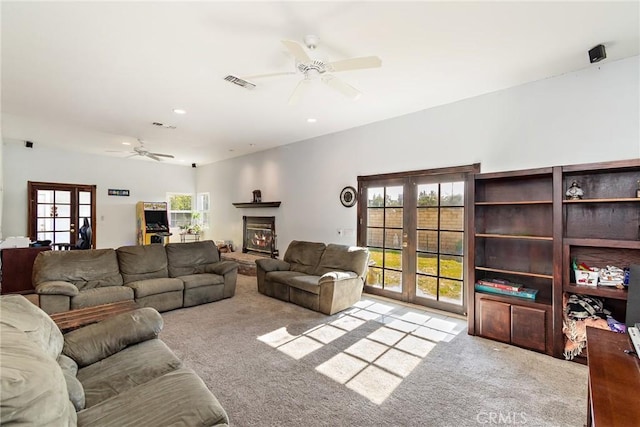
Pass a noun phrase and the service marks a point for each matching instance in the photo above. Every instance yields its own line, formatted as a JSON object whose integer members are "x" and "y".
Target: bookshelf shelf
{"x": 517, "y": 273}
{"x": 596, "y": 291}
{"x": 524, "y": 202}
{"x": 513, "y": 236}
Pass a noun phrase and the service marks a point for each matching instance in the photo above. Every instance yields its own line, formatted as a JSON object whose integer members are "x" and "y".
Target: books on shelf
{"x": 501, "y": 284}
{"x": 521, "y": 293}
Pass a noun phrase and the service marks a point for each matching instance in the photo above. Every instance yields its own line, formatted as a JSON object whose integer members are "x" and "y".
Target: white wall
{"x": 587, "y": 116}
{"x": 116, "y": 216}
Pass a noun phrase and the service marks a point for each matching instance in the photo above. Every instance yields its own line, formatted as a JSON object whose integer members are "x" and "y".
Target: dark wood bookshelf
{"x": 525, "y": 230}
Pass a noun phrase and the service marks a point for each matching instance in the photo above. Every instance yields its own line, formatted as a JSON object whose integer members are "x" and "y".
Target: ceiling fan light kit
{"x": 314, "y": 69}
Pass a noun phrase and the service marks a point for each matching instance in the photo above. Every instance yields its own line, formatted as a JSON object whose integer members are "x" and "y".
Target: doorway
{"x": 57, "y": 212}
{"x": 414, "y": 225}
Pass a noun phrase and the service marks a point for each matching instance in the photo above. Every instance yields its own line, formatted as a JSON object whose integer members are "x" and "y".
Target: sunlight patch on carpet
{"x": 300, "y": 347}
{"x": 375, "y": 365}
{"x": 341, "y": 367}
{"x": 374, "y": 384}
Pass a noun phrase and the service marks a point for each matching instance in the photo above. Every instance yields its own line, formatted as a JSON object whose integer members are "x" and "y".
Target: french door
{"x": 57, "y": 212}
{"x": 413, "y": 224}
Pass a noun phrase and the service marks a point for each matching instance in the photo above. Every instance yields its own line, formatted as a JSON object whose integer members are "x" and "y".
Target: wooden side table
{"x": 17, "y": 267}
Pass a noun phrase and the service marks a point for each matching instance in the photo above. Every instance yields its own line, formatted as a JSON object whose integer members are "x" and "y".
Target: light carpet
{"x": 272, "y": 363}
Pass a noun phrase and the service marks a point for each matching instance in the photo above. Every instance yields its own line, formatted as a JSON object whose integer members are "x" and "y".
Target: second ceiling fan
{"x": 316, "y": 69}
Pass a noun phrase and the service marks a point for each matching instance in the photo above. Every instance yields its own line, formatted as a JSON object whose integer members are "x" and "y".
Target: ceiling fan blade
{"x": 299, "y": 91}
{"x": 342, "y": 87}
{"x": 260, "y": 76}
{"x": 161, "y": 155}
{"x": 153, "y": 156}
{"x": 355, "y": 63}
{"x": 297, "y": 51}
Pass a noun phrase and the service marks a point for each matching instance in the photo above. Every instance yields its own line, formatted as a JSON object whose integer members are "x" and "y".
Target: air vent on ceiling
{"x": 240, "y": 82}
{"x": 162, "y": 125}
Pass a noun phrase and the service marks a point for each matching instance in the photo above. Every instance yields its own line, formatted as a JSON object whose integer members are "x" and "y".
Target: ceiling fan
{"x": 316, "y": 69}
{"x": 141, "y": 150}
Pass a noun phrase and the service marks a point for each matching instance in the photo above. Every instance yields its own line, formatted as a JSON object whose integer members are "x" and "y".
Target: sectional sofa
{"x": 113, "y": 373}
{"x": 163, "y": 277}
{"x": 325, "y": 278}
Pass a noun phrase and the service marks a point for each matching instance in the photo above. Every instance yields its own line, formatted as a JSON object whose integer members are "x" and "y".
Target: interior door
{"x": 57, "y": 212}
{"x": 414, "y": 227}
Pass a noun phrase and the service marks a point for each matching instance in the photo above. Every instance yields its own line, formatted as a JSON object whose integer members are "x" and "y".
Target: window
{"x": 180, "y": 208}
{"x": 188, "y": 210}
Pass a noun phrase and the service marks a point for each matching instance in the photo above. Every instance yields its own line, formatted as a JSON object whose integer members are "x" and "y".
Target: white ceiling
{"x": 91, "y": 75}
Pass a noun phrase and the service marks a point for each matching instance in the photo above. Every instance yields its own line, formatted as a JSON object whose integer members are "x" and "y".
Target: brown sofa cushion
{"x": 85, "y": 269}
{"x": 304, "y": 256}
{"x": 191, "y": 258}
{"x": 142, "y": 262}
{"x": 343, "y": 258}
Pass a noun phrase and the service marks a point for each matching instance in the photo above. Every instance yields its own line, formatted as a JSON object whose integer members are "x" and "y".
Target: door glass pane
{"x": 393, "y": 196}
{"x": 374, "y": 237}
{"x": 63, "y": 211}
{"x": 428, "y": 195}
{"x": 427, "y": 241}
{"x": 375, "y": 257}
{"x": 452, "y": 194}
{"x": 375, "y": 197}
{"x": 393, "y": 217}
{"x": 451, "y": 291}
{"x": 393, "y": 238}
{"x": 451, "y": 266}
{"x": 45, "y": 210}
{"x": 62, "y": 237}
{"x": 375, "y": 217}
{"x": 393, "y": 259}
{"x": 374, "y": 277}
{"x": 63, "y": 197}
{"x": 427, "y": 263}
{"x": 451, "y": 242}
{"x": 84, "y": 197}
{"x": 63, "y": 224}
{"x": 45, "y": 196}
{"x": 427, "y": 287}
{"x": 428, "y": 218}
{"x": 44, "y": 236}
{"x": 84, "y": 211}
{"x": 44, "y": 224}
{"x": 452, "y": 219}
{"x": 392, "y": 280}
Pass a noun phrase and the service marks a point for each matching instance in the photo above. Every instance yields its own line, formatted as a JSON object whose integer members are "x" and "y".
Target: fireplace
{"x": 259, "y": 235}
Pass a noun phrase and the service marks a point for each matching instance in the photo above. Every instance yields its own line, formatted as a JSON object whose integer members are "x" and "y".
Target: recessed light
{"x": 252, "y": 145}
{"x": 179, "y": 111}
{"x": 231, "y": 150}
{"x": 126, "y": 143}
{"x": 311, "y": 120}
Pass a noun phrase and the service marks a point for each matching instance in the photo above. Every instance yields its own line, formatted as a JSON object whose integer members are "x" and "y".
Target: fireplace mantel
{"x": 256, "y": 204}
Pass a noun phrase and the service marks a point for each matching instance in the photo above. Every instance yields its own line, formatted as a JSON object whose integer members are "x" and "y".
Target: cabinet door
{"x": 494, "y": 320}
{"x": 528, "y": 326}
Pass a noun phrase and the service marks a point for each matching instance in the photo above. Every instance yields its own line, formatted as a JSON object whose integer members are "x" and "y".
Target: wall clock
{"x": 348, "y": 197}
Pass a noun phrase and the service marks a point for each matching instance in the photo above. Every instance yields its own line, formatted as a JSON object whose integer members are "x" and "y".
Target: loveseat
{"x": 113, "y": 373}
{"x": 325, "y": 278}
{"x": 163, "y": 277}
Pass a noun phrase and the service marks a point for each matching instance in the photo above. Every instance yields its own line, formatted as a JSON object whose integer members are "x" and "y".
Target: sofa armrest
{"x": 100, "y": 340}
{"x": 272, "y": 264}
{"x": 57, "y": 287}
{"x": 336, "y": 276}
{"x": 339, "y": 290}
{"x": 222, "y": 267}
